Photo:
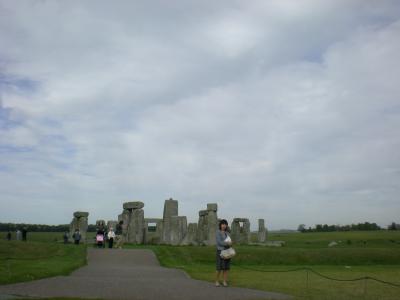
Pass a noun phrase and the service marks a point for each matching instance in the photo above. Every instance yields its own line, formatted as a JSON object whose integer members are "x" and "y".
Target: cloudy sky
{"x": 283, "y": 110}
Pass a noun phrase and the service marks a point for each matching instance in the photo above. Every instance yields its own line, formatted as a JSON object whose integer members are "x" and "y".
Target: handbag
{"x": 228, "y": 253}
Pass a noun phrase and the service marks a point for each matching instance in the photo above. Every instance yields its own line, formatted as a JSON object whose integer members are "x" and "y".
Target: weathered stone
{"x": 212, "y": 227}
{"x": 135, "y": 230}
{"x": 191, "y": 236}
{"x": 262, "y": 231}
{"x": 203, "y": 213}
{"x": 133, "y": 205}
{"x": 170, "y": 210}
{"x": 79, "y": 214}
{"x": 125, "y": 218}
{"x": 240, "y": 234}
{"x": 212, "y": 207}
{"x": 153, "y": 235}
{"x": 207, "y": 225}
{"x": 178, "y": 229}
{"x": 80, "y": 222}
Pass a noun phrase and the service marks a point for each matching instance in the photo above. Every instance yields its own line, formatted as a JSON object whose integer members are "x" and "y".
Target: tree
{"x": 301, "y": 228}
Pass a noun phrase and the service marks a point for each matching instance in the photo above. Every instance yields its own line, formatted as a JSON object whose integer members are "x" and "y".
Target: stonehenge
{"x": 80, "y": 222}
{"x": 171, "y": 229}
{"x": 133, "y": 222}
{"x": 240, "y": 231}
{"x": 262, "y": 231}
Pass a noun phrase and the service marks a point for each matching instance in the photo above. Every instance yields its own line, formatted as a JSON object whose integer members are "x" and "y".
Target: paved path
{"x": 130, "y": 274}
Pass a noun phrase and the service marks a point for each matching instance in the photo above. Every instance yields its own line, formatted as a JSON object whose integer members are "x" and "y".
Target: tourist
{"x": 111, "y": 237}
{"x": 223, "y": 242}
{"x": 118, "y": 235}
{"x": 66, "y": 237}
{"x": 19, "y": 235}
{"x": 9, "y": 235}
{"x": 77, "y": 236}
{"x": 24, "y": 233}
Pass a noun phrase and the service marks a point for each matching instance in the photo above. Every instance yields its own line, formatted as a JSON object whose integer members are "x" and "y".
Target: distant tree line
{"x": 40, "y": 227}
{"x": 394, "y": 226}
{"x": 330, "y": 228}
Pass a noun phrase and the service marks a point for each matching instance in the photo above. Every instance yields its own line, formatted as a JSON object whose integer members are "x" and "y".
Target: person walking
{"x": 223, "y": 242}
{"x": 76, "y": 236}
{"x": 111, "y": 237}
{"x": 9, "y": 236}
{"x": 119, "y": 239}
{"x": 24, "y": 233}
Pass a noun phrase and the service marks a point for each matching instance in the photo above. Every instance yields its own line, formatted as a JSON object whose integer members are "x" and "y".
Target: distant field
{"x": 358, "y": 254}
{"x": 383, "y": 238}
{"x": 44, "y": 236}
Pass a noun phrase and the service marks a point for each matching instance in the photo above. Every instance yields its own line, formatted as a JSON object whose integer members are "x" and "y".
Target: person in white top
{"x": 111, "y": 237}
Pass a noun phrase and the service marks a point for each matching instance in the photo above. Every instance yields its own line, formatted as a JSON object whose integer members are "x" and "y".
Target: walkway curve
{"x": 130, "y": 274}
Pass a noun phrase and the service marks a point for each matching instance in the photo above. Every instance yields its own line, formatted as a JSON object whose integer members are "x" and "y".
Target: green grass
{"x": 378, "y": 258}
{"x": 355, "y": 239}
{"x": 24, "y": 261}
{"x": 374, "y": 254}
{"x": 44, "y": 236}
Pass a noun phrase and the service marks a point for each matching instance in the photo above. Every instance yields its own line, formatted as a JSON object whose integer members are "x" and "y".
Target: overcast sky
{"x": 282, "y": 110}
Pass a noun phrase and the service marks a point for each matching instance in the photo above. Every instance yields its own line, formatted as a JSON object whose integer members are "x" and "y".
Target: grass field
{"x": 373, "y": 254}
{"x": 358, "y": 254}
{"x": 24, "y": 261}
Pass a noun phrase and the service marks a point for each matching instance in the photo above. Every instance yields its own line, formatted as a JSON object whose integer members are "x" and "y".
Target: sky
{"x": 282, "y": 110}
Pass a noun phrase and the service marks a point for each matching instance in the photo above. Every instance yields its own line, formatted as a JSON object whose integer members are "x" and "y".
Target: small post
{"x": 365, "y": 287}
{"x": 307, "y": 293}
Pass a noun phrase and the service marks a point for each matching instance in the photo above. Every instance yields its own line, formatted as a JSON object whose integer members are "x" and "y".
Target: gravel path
{"x": 129, "y": 274}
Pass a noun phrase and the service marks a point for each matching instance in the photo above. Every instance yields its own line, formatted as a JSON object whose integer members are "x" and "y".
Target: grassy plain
{"x": 357, "y": 255}
{"x": 24, "y": 261}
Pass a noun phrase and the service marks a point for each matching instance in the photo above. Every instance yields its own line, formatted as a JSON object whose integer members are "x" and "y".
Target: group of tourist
{"x": 104, "y": 236}
{"x": 20, "y": 235}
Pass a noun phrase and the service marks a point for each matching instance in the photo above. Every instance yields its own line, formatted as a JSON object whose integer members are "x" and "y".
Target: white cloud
{"x": 284, "y": 112}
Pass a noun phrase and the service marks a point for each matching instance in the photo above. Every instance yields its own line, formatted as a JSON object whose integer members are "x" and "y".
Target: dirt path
{"x": 129, "y": 274}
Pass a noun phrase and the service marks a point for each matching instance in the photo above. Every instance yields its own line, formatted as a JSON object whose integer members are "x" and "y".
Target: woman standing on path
{"x": 111, "y": 237}
{"x": 222, "y": 265}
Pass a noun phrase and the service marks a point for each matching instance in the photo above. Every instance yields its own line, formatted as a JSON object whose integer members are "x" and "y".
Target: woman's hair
{"x": 223, "y": 221}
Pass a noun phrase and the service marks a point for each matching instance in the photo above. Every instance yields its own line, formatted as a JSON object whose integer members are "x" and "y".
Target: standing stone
{"x": 133, "y": 222}
{"x": 208, "y": 225}
{"x": 124, "y": 217}
{"x": 262, "y": 231}
{"x": 191, "y": 236}
{"x": 178, "y": 229}
{"x": 153, "y": 235}
{"x": 80, "y": 222}
{"x": 212, "y": 223}
{"x": 136, "y": 227}
{"x": 240, "y": 234}
{"x": 170, "y": 210}
{"x": 202, "y": 230}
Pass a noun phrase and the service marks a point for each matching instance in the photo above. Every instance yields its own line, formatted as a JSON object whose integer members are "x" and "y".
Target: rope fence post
{"x": 365, "y": 287}
{"x": 307, "y": 291}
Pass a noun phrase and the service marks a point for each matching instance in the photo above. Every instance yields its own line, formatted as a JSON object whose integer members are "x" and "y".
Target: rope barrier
{"x": 321, "y": 275}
